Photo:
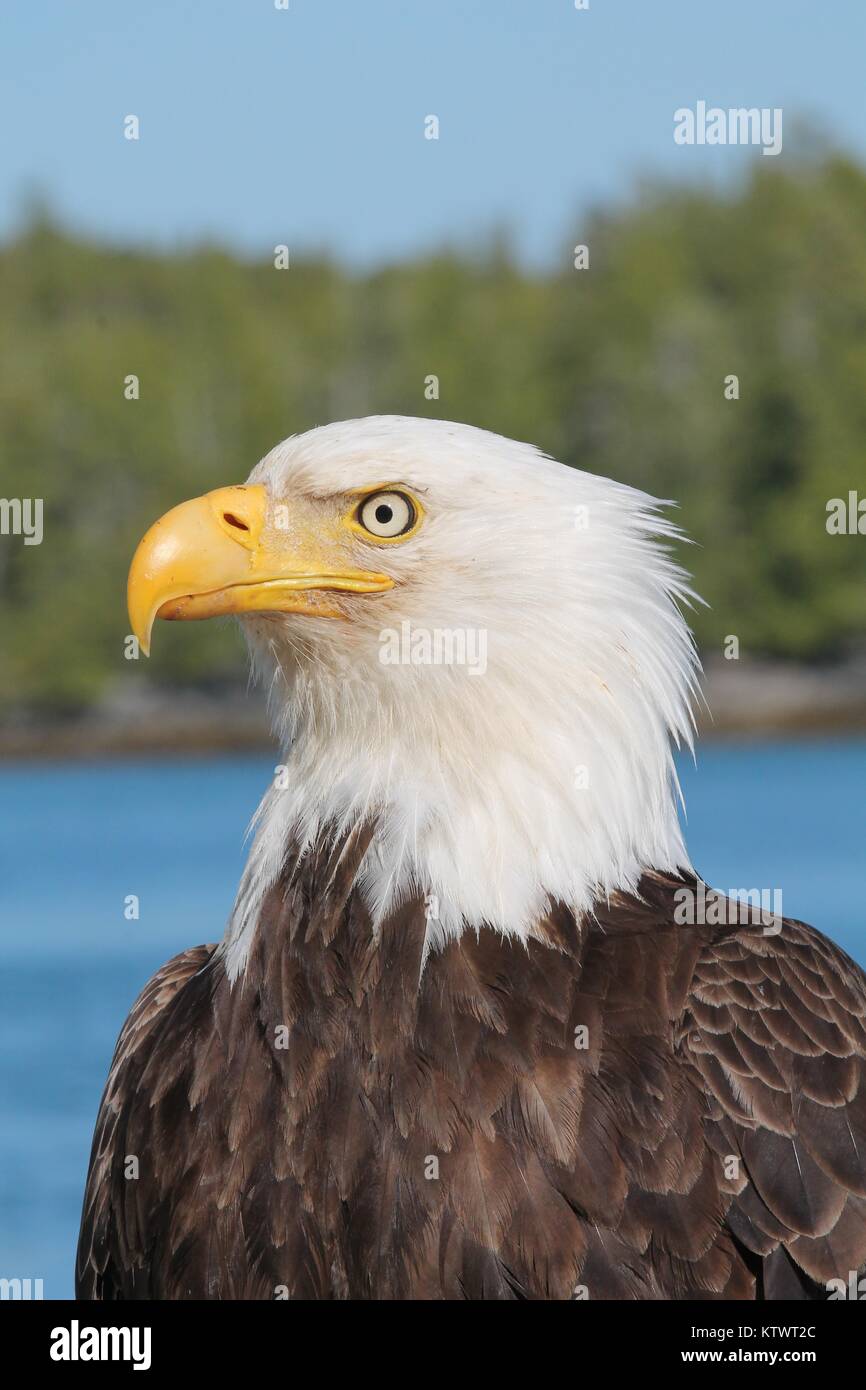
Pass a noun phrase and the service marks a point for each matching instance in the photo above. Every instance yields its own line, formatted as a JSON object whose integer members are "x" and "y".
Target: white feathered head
{"x": 468, "y": 644}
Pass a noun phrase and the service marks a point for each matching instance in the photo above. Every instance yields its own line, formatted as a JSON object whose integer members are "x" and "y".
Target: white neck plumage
{"x": 543, "y": 781}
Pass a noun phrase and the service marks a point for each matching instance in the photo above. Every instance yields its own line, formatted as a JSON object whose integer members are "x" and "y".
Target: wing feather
{"x": 103, "y": 1241}
{"x": 780, "y": 1055}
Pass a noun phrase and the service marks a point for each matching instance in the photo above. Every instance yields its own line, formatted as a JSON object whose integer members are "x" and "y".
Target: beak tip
{"x": 142, "y": 633}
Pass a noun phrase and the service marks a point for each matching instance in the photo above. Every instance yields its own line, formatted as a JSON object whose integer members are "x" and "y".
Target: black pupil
{"x": 384, "y": 514}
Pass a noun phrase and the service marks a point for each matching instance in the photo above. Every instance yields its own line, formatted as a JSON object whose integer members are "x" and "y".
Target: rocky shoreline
{"x": 743, "y": 699}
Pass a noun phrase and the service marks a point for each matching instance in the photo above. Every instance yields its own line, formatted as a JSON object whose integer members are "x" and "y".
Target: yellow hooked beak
{"x": 224, "y": 553}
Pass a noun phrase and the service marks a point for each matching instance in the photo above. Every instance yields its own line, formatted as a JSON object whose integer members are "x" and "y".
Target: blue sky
{"x": 305, "y": 126}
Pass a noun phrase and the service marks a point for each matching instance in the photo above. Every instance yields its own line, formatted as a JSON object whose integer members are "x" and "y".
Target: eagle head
{"x": 476, "y": 649}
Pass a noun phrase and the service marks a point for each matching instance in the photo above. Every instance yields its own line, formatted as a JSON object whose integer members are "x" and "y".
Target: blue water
{"x": 76, "y": 840}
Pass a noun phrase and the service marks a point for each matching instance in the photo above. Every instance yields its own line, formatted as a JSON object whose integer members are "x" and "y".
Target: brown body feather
{"x": 437, "y": 1133}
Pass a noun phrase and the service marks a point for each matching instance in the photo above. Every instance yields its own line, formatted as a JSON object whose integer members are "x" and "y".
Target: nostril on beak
{"x": 240, "y": 513}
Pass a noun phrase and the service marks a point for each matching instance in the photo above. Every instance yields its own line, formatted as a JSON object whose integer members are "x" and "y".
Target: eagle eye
{"x": 387, "y": 514}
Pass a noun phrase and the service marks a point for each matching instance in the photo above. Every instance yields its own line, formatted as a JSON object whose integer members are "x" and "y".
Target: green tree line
{"x": 618, "y": 368}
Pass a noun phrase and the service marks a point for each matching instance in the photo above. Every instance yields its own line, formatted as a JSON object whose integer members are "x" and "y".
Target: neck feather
{"x": 490, "y": 800}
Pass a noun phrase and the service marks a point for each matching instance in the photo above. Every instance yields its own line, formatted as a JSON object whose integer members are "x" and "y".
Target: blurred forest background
{"x": 618, "y": 369}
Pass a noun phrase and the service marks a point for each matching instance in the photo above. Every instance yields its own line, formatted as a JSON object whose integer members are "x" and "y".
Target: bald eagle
{"x": 463, "y": 1037}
